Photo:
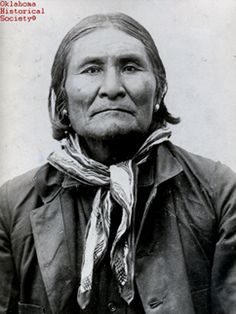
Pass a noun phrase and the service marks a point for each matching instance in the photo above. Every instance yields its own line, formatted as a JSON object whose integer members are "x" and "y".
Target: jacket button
{"x": 112, "y": 307}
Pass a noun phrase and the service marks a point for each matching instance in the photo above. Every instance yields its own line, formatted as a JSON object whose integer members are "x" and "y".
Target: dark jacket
{"x": 185, "y": 247}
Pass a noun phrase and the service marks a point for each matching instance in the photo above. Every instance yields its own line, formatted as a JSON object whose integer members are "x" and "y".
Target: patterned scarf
{"x": 121, "y": 182}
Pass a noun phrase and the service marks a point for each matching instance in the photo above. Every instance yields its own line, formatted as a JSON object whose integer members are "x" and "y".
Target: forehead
{"x": 107, "y": 42}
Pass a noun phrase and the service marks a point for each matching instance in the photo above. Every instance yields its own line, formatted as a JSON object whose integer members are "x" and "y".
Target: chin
{"x": 117, "y": 134}
{"x": 113, "y": 129}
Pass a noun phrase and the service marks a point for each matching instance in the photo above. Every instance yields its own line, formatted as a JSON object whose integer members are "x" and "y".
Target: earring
{"x": 64, "y": 112}
{"x": 156, "y": 108}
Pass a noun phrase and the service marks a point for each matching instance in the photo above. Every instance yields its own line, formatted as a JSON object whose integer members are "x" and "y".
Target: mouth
{"x": 112, "y": 110}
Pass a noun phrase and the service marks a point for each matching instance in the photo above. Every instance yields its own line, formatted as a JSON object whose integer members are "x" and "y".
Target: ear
{"x": 157, "y": 100}
{"x": 160, "y": 93}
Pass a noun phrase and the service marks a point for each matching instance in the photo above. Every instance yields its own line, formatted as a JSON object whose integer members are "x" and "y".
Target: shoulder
{"x": 23, "y": 193}
{"x": 205, "y": 169}
{"x": 20, "y": 183}
{"x": 38, "y": 178}
{"x": 13, "y": 194}
{"x": 215, "y": 179}
{"x": 19, "y": 186}
{"x": 15, "y": 190}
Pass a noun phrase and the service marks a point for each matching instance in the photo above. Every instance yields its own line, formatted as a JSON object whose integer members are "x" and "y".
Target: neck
{"x": 112, "y": 151}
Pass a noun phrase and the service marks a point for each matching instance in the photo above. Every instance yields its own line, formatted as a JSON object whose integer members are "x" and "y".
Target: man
{"x": 119, "y": 220}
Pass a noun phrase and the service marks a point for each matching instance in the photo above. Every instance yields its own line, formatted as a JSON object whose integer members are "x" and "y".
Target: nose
{"x": 111, "y": 86}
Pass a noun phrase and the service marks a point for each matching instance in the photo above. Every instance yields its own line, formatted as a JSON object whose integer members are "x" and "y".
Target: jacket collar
{"x": 49, "y": 181}
{"x": 167, "y": 164}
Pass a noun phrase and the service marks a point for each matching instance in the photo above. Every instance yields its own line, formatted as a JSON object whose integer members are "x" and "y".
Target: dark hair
{"x": 60, "y": 122}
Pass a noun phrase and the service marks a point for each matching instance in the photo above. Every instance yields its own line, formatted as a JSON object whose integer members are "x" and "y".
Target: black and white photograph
{"x": 118, "y": 157}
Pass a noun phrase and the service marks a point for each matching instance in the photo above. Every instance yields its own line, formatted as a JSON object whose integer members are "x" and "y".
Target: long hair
{"x": 57, "y": 100}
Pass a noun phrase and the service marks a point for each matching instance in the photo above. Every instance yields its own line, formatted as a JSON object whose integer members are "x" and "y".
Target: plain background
{"x": 197, "y": 43}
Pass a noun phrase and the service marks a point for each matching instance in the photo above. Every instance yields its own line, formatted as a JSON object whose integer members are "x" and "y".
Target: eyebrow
{"x": 90, "y": 60}
{"x": 135, "y": 59}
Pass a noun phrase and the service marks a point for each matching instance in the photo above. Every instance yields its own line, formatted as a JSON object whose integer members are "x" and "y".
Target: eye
{"x": 130, "y": 69}
{"x": 92, "y": 70}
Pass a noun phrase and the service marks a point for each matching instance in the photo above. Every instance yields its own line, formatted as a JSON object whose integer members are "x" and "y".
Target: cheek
{"x": 144, "y": 97}
{"x": 76, "y": 101}
{"x": 145, "y": 101}
{"x": 79, "y": 91}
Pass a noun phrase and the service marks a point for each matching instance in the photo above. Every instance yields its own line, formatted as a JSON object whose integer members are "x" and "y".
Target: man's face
{"x": 110, "y": 85}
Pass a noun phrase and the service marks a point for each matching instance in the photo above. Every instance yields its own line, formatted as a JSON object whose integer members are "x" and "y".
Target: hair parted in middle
{"x": 57, "y": 100}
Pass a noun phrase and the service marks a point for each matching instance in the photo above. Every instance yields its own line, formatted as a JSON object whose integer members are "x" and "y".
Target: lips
{"x": 95, "y": 112}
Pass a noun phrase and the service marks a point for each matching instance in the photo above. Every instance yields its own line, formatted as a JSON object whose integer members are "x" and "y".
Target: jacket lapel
{"x": 58, "y": 272}
{"x": 160, "y": 263}
{"x": 167, "y": 167}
